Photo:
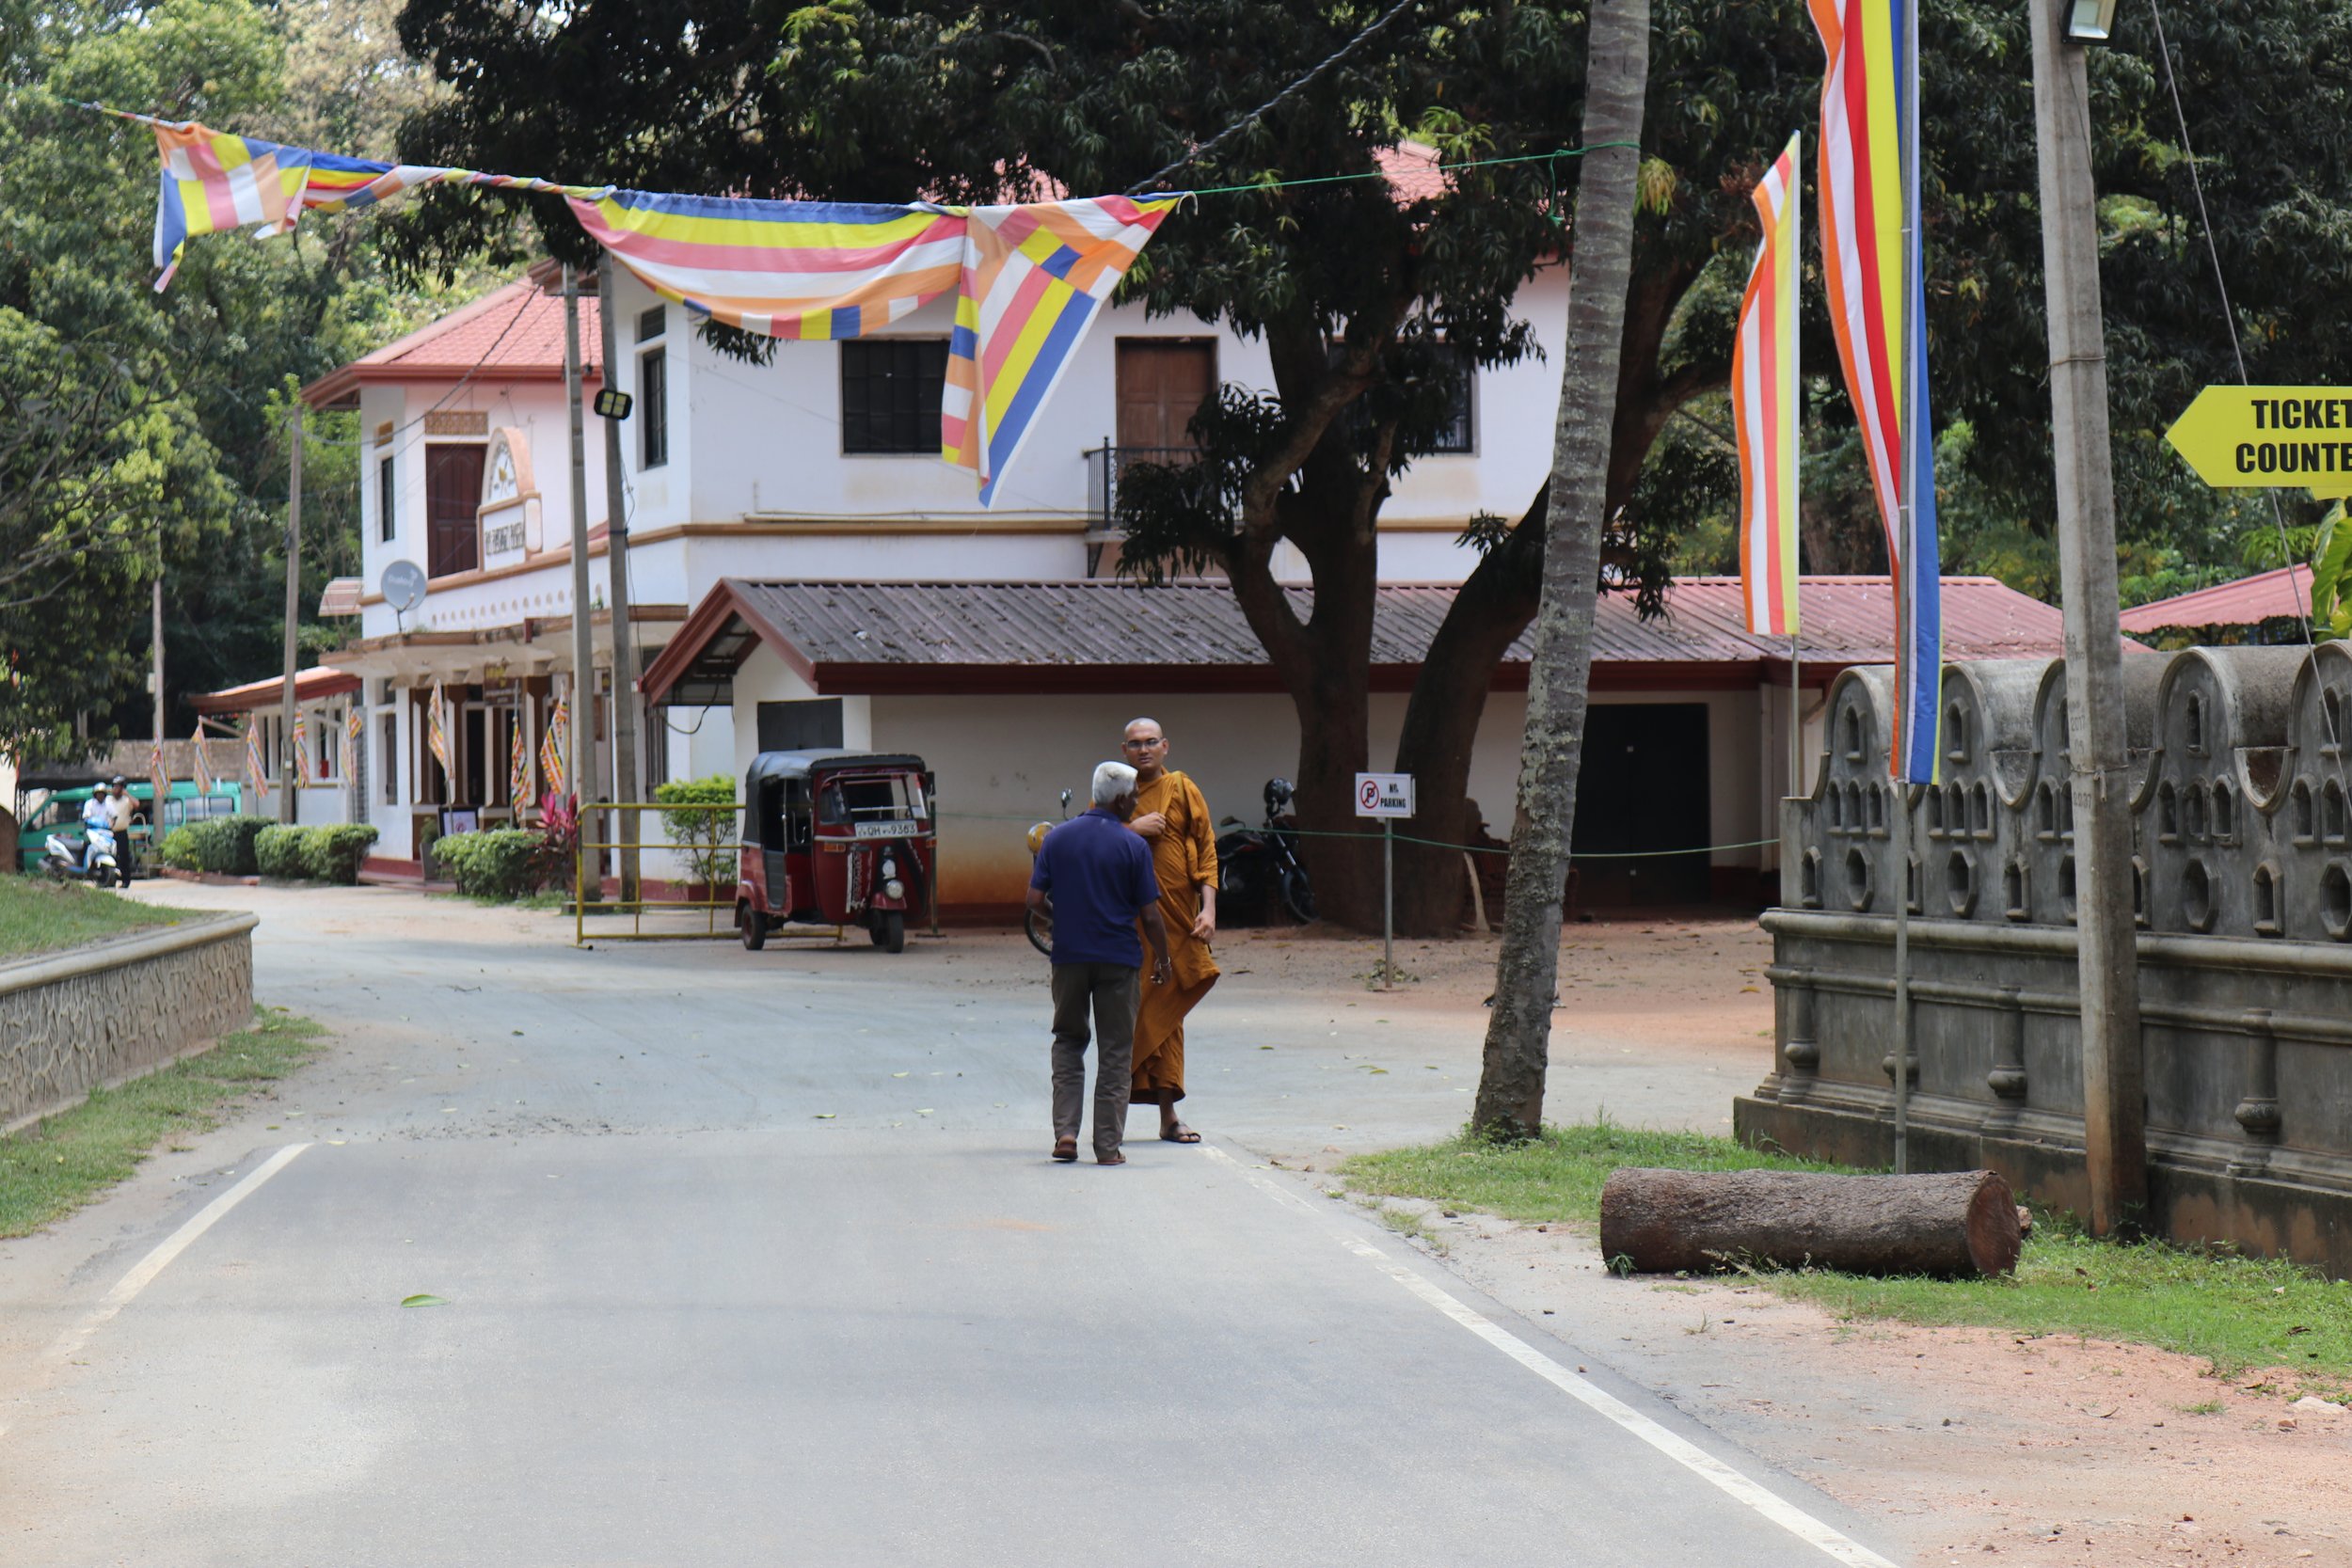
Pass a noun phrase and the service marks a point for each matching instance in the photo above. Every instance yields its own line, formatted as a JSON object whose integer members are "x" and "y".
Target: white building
{"x": 820, "y": 469}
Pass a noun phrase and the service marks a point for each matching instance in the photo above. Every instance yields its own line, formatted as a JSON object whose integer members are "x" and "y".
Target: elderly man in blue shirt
{"x": 1098, "y": 877}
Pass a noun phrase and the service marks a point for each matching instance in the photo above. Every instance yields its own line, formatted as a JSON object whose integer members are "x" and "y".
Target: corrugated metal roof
{"x": 2248, "y": 601}
{"x": 1050, "y": 625}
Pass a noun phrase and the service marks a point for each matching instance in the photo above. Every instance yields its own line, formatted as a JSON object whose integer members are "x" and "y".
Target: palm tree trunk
{"x": 1511, "y": 1085}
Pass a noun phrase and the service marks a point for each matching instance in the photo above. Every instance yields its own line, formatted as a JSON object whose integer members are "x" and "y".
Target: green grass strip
{"x": 57, "y": 1166}
{"x": 39, "y": 916}
{"x": 2238, "y": 1312}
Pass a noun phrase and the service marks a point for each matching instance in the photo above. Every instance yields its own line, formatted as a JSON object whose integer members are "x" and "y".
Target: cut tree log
{"x": 1948, "y": 1224}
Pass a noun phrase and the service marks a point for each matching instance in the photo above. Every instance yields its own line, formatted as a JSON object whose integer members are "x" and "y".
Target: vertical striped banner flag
{"x": 158, "y": 776}
{"x": 1868, "y": 96}
{"x": 354, "y": 727}
{"x": 437, "y": 733}
{"x": 203, "y": 770}
{"x": 551, "y": 747}
{"x": 519, "y": 765}
{"x": 302, "y": 748}
{"x": 253, "y": 767}
{"x": 1765, "y": 392}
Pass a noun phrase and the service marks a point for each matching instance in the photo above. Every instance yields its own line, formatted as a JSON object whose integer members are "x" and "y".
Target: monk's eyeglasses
{"x": 1143, "y": 745}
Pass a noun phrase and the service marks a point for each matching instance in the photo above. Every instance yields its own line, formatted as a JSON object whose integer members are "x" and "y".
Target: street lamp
{"x": 2090, "y": 20}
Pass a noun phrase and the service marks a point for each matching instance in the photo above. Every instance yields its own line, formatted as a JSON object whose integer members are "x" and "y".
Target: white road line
{"x": 144, "y": 1273}
{"x": 1803, "y": 1526}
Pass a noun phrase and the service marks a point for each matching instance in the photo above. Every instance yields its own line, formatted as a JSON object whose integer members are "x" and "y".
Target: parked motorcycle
{"x": 1257, "y": 865}
{"x": 62, "y": 860}
{"x": 1040, "y": 923}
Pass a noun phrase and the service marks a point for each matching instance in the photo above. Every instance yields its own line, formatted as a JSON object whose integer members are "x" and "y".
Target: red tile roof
{"x": 2246, "y": 602}
{"x": 863, "y": 636}
{"x": 309, "y": 685}
{"x": 511, "y": 334}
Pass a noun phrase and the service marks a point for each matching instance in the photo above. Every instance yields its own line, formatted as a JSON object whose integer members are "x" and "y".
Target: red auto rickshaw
{"x": 838, "y": 839}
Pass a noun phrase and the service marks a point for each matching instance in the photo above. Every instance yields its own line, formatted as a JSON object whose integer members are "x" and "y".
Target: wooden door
{"x": 452, "y": 499}
{"x": 1162, "y": 383}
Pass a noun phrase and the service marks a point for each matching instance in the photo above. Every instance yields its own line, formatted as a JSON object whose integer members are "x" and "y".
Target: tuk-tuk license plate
{"x": 888, "y": 829}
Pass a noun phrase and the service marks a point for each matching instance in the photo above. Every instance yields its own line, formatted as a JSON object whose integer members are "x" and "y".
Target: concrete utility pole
{"x": 287, "y": 805}
{"x": 156, "y": 672}
{"x": 581, "y": 763}
{"x": 630, "y": 785}
{"x": 2114, "y": 1112}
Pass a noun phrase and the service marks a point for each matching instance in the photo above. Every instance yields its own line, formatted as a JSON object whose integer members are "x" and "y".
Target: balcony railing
{"x": 1104, "y": 465}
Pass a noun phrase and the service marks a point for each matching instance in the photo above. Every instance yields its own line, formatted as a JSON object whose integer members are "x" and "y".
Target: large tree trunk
{"x": 1953, "y": 1225}
{"x": 1511, "y": 1083}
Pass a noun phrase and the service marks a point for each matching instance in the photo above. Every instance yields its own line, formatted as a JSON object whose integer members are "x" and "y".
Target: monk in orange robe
{"x": 1172, "y": 814}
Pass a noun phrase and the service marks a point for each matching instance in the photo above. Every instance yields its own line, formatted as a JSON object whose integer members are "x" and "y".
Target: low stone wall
{"x": 91, "y": 1016}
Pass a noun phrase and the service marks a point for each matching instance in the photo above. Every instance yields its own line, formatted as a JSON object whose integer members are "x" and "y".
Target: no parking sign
{"x": 1384, "y": 795}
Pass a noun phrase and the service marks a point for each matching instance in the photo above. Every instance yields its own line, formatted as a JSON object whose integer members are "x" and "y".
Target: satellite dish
{"x": 402, "y": 586}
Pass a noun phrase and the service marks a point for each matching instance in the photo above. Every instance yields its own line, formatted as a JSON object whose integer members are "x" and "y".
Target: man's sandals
{"x": 1179, "y": 1133}
{"x": 1066, "y": 1150}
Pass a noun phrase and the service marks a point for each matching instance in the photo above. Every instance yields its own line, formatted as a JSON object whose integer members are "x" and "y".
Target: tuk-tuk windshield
{"x": 872, "y": 806}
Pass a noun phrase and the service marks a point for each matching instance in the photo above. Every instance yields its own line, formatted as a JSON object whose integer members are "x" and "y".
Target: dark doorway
{"x": 1643, "y": 786}
{"x": 799, "y": 726}
{"x": 452, "y": 505}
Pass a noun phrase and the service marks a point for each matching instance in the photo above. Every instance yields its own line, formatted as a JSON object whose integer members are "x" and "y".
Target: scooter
{"x": 63, "y": 860}
{"x": 1257, "y": 865}
{"x": 1040, "y": 923}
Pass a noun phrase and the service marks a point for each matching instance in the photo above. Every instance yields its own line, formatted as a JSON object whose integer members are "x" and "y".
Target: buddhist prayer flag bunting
{"x": 1028, "y": 279}
{"x": 1765, "y": 406}
{"x": 1033, "y": 278}
{"x": 1867, "y": 191}
{"x": 302, "y": 748}
{"x": 437, "y": 732}
{"x": 551, "y": 747}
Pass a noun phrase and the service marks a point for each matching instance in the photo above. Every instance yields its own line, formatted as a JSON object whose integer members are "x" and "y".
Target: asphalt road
{"x": 759, "y": 1259}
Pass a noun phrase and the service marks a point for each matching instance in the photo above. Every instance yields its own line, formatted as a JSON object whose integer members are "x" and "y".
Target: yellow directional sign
{"x": 2261, "y": 438}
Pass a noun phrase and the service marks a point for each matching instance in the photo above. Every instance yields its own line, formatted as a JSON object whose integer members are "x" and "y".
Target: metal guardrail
{"x": 584, "y": 908}
{"x": 1107, "y": 463}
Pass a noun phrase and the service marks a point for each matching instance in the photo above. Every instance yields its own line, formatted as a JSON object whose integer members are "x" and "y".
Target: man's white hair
{"x": 1111, "y": 781}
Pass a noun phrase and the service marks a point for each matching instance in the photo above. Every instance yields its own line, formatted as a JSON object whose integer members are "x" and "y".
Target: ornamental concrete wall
{"x": 2242, "y": 846}
{"x": 97, "y": 1016}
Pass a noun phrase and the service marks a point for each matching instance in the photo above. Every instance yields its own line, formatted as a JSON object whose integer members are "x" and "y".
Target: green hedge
{"x": 277, "y": 853}
{"x": 221, "y": 844}
{"x": 497, "y": 863}
{"x": 334, "y": 852}
{"x": 706, "y": 839}
{"x": 247, "y": 846}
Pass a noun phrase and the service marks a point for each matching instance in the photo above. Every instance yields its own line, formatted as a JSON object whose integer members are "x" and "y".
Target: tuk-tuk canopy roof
{"x": 800, "y": 764}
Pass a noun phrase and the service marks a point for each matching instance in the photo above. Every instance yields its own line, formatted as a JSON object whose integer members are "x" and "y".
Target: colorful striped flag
{"x": 782, "y": 269}
{"x": 158, "y": 776}
{"x": 437, "y": 732}
{"x": 1766, "y": 406}
{"x": 1867, "y": 187}
{"x": 214, "y": 182}
{"x": 1033, "y": 278}
{"x": 204, "y": 781}
{"x": 302, "y": 748}
{"x": 518, "y": 766}
{"x": 253, "y": 769}
{"x": 354, "y": 727}
{"x": 551, "y": 747}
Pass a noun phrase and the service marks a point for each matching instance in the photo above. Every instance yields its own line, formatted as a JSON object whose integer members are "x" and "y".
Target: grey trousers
{"x": 1112, "y": 992}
